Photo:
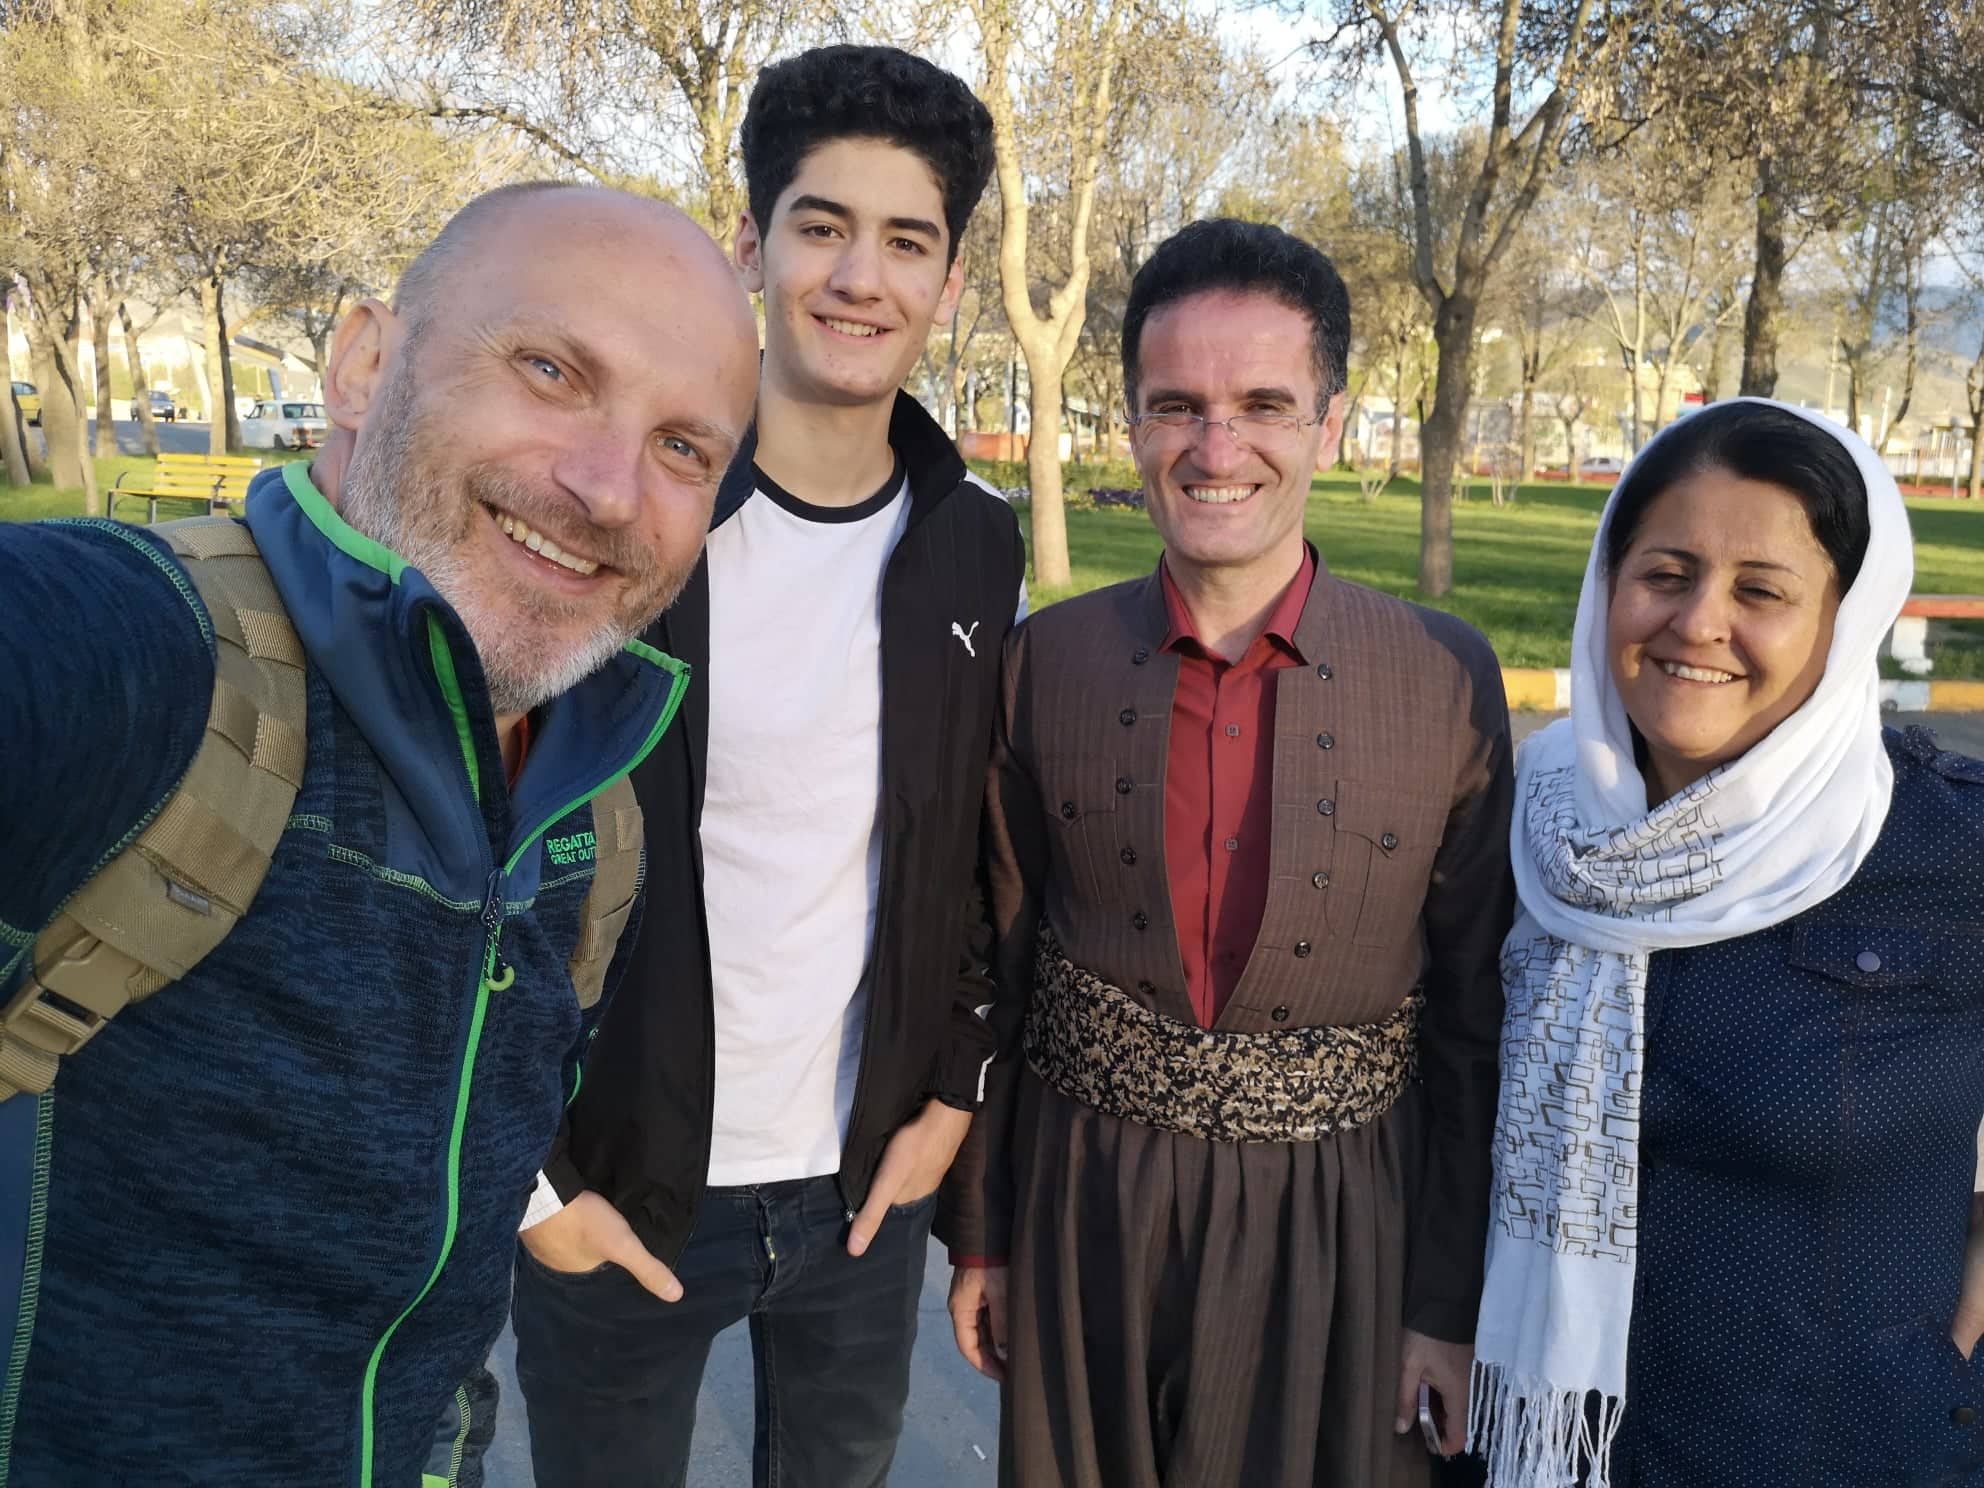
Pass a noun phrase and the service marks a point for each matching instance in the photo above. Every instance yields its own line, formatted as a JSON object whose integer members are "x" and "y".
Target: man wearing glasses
{"x": 1221, "y": 1215}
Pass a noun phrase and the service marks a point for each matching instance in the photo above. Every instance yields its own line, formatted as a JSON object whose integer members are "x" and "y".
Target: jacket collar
{"x": 935, "y": 467}
{"x": 401, "y": 664}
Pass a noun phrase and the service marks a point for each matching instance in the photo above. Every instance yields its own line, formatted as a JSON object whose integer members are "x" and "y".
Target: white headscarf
{"x": 1604, "y": 882}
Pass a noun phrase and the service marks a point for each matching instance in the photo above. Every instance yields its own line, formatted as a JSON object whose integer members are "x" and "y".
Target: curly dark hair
{"x": 866, "y": 92}
{"x": 1226, "y": 253}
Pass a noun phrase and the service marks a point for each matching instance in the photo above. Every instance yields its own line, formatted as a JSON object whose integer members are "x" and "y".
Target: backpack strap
{"x": 616, "y": 878}
{"x": 148, "y": 915}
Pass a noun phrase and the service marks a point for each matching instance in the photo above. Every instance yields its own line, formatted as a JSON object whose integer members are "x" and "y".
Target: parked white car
{"x": 279, "y": 423}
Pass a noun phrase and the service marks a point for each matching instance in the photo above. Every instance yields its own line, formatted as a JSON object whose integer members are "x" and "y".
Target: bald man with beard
{"x": 261, "y": 1225}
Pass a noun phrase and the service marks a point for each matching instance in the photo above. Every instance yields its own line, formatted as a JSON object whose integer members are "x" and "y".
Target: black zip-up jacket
{"x": 638, "y": 1131}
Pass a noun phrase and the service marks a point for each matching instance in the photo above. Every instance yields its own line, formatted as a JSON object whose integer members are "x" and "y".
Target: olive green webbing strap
{"x": 616, "y": 876}
{"x": 152, "y": 912}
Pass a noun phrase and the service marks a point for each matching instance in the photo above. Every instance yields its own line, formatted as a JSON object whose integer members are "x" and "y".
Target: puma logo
{"x": 965, "y": 635}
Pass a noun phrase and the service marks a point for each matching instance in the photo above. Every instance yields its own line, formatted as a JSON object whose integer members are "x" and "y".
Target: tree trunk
{"x": 1766, "y": 290}
{"x": 1911, "y": 298}
{"x": 140, "y": 392}
{"x": 1853, "y": 395}
{"x": 217, "y": 398}
{"x": 1712, "y": 381}
{"x": 13, "y": 439}
{"x": 106, "y": 432}
{"x": 1043, "y": 470}
{"x": 1975, "y": 488}
{"x": 1526, "y": 425}
{"x": 320, "y": 348}
{"x": 227, "y": 370}
{"x": 1439, "y": 443}
{"x": 58, "y": 375}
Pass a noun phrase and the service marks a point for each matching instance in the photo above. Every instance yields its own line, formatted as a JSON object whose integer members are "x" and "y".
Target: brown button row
{"x": 1321, "y": 880}
{"x": 1326, "y": 741}
{"x": 1140, "y": 920}
{"x": 1127, "y": 717}
{"x": 1324, "y": 670}
{"x": 1124, "y": 785}
{"x": 1326, "y": 806}
{"x": 1129, "y": 857}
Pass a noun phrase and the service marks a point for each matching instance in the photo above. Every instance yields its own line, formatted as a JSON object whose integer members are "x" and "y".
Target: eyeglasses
{"x": 1263, "y": 433}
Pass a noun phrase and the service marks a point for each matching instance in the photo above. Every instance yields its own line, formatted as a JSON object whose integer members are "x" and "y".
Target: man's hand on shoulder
{"x": 587, "y": 1234}
{"x": 912, "y": 1166}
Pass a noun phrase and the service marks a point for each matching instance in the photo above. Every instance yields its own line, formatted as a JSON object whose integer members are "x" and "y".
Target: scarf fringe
{"x": 1536, "y": 1436}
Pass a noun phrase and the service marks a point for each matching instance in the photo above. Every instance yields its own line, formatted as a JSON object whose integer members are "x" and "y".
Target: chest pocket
{"x": 1899, "y": 970}
{"x": 1079, "y": 795}
{"x": 616, "y": 883}
{"x": 1382, "y": 854}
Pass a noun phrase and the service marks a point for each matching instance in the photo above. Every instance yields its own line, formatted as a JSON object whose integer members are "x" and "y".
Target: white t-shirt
{"x": 791, "y": 831}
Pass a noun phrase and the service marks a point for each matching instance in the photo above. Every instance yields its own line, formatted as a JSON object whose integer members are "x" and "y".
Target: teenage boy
{"x": 797, "y": 1049}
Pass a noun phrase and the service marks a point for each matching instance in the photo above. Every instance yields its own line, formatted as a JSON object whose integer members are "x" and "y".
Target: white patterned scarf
{"x": 1603, "y": 883}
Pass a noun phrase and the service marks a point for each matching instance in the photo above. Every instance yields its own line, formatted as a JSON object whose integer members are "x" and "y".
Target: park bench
{"x": 1908, "y": 643}
{"x": 210, "y": 480}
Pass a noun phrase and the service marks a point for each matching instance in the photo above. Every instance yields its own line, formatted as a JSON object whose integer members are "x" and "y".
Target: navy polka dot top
{"x": 1809, "y": 1145}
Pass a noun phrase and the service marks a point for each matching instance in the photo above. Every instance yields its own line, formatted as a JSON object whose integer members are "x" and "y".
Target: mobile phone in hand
{"x": 1431, "y": 1409}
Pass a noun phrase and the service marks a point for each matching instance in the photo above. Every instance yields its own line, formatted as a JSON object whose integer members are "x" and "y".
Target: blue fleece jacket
{"x": 261, "y": 1227}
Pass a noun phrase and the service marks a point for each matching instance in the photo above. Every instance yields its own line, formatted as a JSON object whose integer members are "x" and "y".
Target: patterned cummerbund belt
{"x": 1096, "y": 1044}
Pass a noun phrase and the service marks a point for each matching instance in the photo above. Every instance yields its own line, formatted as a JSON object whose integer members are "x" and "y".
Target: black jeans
{"x": 610, "y": 1373}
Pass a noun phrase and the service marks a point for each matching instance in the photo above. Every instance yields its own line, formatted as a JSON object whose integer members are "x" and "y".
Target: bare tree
{"x": 606, "y": 86}
{"x": 1537, "y": 301}
{"x": 1879, "y": 255}
{"x": 65, "y": 180}
{"x": 948, "y": 354}
{"x": 1031, "y": 52}
{"x": 1552, "y": 50}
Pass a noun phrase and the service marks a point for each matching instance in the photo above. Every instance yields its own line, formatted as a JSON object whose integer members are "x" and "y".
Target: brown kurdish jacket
{"x": 1389, "y": 871}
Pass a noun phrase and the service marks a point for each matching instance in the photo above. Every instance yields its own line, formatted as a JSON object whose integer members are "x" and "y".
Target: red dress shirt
{"x": 1219, "y": 791}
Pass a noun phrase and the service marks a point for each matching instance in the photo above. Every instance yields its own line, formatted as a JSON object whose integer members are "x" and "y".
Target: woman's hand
{"x": 1968, "y": 1326}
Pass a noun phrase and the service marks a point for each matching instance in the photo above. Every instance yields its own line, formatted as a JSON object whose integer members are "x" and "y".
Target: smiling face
{"x": 855, "y": 268}
{"x": 1216, "y": 502}
{"x": 1720, "y": 620}
{"x": 544, "y": 440}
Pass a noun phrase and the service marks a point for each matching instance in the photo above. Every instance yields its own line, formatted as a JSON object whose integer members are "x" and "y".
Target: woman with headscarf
{"x": 1743, "y": 1055}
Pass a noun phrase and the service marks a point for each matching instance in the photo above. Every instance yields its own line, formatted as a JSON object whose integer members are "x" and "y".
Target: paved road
{"x": 173, "y": 439}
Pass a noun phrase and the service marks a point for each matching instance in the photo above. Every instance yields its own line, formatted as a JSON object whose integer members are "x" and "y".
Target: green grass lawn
{"x": 1516, "y": 569}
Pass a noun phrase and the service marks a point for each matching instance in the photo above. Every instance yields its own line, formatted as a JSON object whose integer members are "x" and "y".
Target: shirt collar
{"x": 1281, "y": 622}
